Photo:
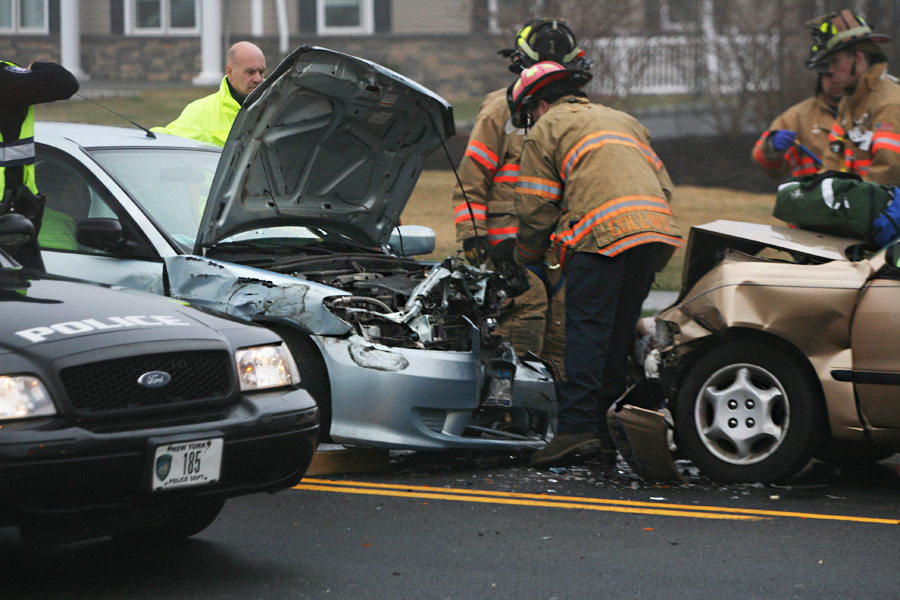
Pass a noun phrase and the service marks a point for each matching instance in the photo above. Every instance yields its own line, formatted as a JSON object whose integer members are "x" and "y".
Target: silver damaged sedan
{"x": 294, "y": 225}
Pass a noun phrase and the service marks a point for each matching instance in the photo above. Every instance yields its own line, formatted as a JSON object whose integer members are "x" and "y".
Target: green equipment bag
{"x": 832, "y": 202}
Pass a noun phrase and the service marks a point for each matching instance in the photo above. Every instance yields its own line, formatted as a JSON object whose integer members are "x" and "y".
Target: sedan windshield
{"x": 171, "y": 184}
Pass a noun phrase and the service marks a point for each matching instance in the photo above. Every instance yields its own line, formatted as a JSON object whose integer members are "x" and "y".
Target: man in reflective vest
{"x": 865, "y": 137}
{"x": 483, "y": 205}
{"x": 590, "y": 184}
{"x": 210, "y": 118}
{"x": 20, "y": 89}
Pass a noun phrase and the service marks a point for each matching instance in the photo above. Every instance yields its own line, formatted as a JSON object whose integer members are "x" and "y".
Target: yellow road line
{"x": 548, "y": 503}
{"x": 489, "y": 496}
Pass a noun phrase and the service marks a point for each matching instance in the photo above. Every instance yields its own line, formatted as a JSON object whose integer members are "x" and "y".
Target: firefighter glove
{"x": 782, "y": 139}
{"x": 886, "y": 226}
{"x": 476, "y": 250}
{"x": 504, "y": 251}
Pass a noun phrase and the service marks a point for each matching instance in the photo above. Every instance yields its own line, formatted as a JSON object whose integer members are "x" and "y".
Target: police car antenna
{"x": 149, "y": 133}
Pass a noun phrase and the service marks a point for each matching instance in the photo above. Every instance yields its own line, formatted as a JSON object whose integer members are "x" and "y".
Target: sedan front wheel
{"x": 748, "y": 413}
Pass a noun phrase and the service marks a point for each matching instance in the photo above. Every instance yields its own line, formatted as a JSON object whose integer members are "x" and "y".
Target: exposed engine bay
{"x": 400, "y": 302}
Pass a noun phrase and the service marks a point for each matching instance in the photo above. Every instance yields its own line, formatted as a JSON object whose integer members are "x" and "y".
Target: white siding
{"x": 237, "y": 18}
{"x": 95, "y": 18}
{"x": 431, "y": 16}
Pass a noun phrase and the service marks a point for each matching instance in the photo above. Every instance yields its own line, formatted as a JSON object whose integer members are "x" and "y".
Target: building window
{"x": 23, "y": 16}
{"x": 344, "y": 17}
{"x": 679, "y": 15}
{"x": 162, "y": 17}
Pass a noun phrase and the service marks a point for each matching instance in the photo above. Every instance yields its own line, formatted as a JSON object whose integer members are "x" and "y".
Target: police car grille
{"x": 112, "y": 385}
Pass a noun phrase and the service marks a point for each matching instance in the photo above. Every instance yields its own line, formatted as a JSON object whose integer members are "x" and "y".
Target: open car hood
{"x": 328, "y": 140}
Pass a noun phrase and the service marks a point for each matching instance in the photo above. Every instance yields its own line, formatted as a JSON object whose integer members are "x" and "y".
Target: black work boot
{"x": 564, "y": 448}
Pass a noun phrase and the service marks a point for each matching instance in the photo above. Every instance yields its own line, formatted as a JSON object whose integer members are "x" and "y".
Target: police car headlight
{"x": 266, "y": 367}
{"x": 23, "y": 396}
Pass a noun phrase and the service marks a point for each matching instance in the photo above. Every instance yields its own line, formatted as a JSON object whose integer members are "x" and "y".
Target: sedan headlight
{"x": 23, "y": 396}
{"x": 264, "y": 367}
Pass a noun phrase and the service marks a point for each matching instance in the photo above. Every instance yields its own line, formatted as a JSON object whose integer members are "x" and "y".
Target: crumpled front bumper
{"x": 425, "y": 399}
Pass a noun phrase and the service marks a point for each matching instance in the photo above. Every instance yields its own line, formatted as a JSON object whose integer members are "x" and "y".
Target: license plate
{"x": 183, "y": 464}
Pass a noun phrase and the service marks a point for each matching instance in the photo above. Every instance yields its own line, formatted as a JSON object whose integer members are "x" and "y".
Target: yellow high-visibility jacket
{"x": 865, "y": 137}
{"x": 590, "y": 182}
{"x": 208, "y": 119}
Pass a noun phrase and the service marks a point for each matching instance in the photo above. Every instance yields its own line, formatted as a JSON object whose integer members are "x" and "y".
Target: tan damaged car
{"x": 783, "y": 345}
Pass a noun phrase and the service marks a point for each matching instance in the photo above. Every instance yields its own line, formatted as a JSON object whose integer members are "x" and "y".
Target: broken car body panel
{"x": 814, "y": 297}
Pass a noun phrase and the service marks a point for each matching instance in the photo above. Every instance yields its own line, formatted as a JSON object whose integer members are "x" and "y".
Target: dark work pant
{"x": 603, "y": 304}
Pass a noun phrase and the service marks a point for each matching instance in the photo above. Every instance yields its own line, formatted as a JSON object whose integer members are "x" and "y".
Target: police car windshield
{"x": 170, "y": 184}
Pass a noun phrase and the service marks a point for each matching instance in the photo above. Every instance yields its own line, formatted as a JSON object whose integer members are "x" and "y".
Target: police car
{"x": 136, "y": 416}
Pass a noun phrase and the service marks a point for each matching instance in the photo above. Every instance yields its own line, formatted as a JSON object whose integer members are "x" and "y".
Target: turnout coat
{"x": 865, "y": 137}
{"x": 590, "y": 182}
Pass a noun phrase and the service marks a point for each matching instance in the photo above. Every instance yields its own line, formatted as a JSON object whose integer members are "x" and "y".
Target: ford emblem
{"x": 154, "y": 379}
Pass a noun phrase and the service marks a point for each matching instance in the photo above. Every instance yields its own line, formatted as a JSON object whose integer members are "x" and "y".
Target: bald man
{"x": 209, "y": 119}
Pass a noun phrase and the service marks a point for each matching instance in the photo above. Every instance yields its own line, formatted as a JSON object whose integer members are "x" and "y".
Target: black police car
{"x": 132, "y": 415}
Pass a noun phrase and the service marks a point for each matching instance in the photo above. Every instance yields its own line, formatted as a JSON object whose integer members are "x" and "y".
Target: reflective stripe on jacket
{"x": 20, "y": 151}
{"x": 590, "y": 182}
{"x": 865, "y": 137}
{"x": 488, "y": 172}
{"x": 208, "y": 119}
{"x": 811, "y": 120}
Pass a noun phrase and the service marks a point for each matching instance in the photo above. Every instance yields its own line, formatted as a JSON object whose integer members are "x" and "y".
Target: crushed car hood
{"x": 328, "y": 140}
{"x": 708, "y": 241}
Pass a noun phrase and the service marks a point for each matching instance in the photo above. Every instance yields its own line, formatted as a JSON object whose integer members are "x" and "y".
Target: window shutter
{"x": 53, "y": 17}
{"x": 117, "y": 16}
{"x": 382, "y": 10}
{"x": 307, "y": 16}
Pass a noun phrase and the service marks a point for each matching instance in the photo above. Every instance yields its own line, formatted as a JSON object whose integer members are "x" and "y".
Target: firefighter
{"x": 865, "y": 136}
{"x": 485, "y": 214}
{"x": 781, "y": 151}
{"x": 20, "y": 89}
{"x": 590, "y": 183}
{"x": 210, "y": 118}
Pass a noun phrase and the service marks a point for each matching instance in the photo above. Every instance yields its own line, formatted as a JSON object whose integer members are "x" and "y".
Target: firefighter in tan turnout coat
{"x": 485, "y": 213}
{"x": 865, "y": 137}
{"x": 776, "y": 152}
{"x": 590, "y": 185}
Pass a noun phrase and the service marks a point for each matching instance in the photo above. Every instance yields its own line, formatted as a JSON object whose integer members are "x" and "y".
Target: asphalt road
{"x": 460, "y": 526}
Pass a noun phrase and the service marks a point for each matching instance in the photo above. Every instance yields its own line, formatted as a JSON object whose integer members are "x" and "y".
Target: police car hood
{"x": 38, "y": 311}
{"x": 328, "y": 140}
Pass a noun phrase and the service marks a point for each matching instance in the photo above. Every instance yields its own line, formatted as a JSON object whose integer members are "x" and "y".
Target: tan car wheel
{"x": 748, "y": 413}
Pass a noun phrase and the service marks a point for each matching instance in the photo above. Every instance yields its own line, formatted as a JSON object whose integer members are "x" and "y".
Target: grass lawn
{"x": 431, "y": 205}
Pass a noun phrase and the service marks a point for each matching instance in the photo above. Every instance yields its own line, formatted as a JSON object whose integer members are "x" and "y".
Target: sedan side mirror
{"x": 100, "y": 234}
{"x": 15, "y": 229}
{"x": 411, "y": 240}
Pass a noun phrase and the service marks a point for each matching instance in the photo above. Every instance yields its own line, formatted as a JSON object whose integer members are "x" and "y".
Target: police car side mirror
{"x": 15, "y": 229}
{"x": 100, "y": 234}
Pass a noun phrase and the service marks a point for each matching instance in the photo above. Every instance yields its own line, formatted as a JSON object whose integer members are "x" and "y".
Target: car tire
{"x": 313, "y": 374}
{"x": 747, "y": 412}
{"x": 191, "y": 521}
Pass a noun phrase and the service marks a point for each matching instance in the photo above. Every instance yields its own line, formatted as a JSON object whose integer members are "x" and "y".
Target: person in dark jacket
{"x": 20, "y": 89}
